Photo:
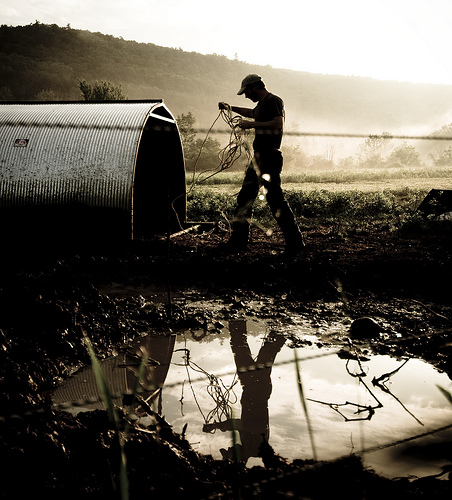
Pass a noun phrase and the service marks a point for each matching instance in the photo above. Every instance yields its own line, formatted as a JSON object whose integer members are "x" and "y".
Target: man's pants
{"x": 265, "y": 173}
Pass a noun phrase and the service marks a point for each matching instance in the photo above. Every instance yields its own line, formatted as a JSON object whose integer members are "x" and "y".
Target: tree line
{"x": 38, "y": 58}
{"x": 48, "y": 62}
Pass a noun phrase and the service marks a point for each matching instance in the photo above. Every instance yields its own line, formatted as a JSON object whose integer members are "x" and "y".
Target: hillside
{"x": 39, "y": 58}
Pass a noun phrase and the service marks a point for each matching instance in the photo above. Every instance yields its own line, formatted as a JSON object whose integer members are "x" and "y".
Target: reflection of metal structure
{"x": 120, "y": 374}
{"x": 91, "y": 167}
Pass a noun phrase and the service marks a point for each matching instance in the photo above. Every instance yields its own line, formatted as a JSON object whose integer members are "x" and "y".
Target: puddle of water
{"x": 244, "y": 378}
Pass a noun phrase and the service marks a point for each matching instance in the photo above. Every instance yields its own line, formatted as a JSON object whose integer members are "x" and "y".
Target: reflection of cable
{"x": 223, "y": 396}
{"x": 357, "y": 135}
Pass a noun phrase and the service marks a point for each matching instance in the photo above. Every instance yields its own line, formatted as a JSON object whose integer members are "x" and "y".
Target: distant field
{"x": 340, "y": 199}
{"x": 420, "y": 179}
{"x": 420, "y": 184}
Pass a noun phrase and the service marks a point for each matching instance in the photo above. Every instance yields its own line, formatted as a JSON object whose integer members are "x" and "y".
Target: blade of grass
{"x": 123, "y": 478}
{"x": 101, "y": 383}
{"x": 140, "y": 373}
{"x": 107, "y": 399}
{"x": 303, "y": 402}
{"x": 445, "y": 393}
{"x": 236, "y": 455}
{"x": 235, "y": 451}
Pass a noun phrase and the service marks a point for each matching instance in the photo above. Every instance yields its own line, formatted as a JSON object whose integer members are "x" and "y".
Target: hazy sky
{"x": 406, "y": 40}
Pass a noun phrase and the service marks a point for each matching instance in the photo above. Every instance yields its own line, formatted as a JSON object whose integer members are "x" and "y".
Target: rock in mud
{"x": 365, "y": 328}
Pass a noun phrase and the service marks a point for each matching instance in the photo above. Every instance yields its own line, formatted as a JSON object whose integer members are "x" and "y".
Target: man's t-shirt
{"x": 268, "y": 108}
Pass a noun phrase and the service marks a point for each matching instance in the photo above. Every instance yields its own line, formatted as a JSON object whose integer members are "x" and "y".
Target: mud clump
{"x": 396, "y": 278}
{"x": 365, "y": 328}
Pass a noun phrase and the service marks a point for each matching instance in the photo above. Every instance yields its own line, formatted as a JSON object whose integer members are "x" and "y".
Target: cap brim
{"x": 241, "y": 91}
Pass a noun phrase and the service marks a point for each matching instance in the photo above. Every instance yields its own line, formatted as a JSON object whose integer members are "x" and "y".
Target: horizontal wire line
{"x": 166, "y": 128}
{"x": 341, "y": 134}
{"x": 75, "y": 404}
{"x": 404, "y": 440}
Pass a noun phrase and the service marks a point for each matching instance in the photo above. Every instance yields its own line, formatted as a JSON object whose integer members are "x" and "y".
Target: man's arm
{"x": 229, "y": 424}
{"x": 275, "y": 124}
{"x": 247, "y": 112}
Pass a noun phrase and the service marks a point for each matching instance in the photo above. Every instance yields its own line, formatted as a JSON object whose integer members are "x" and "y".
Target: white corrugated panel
{"x": 70, "y": 152}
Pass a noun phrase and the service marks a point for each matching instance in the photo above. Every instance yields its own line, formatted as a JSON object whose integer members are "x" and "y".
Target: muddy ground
{"x": 50, "y": 292}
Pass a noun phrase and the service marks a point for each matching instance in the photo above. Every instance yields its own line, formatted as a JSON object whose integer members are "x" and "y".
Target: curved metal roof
{"x": 73, "y": 153}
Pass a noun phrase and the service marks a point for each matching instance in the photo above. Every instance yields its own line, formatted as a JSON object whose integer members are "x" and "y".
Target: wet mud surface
{"x": 50, "y": 294}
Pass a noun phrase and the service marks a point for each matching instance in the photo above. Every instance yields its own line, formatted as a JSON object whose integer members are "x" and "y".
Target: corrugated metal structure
{"x": 89, "y": 169}
{"x": 120, "y": 374}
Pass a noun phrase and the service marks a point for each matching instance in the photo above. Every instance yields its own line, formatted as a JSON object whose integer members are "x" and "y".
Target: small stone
{"x": 364, "y": 328}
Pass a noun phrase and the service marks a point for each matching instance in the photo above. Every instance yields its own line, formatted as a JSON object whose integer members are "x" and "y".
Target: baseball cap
{"x": 248, "y": 80}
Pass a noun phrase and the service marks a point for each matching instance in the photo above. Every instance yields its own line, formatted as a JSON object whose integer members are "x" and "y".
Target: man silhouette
{"x": 255, "y": 378}
{"x": 265, "y": 169}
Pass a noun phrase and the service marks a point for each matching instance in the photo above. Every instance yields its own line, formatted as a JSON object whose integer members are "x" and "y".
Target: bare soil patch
{"x": 49, "y": 292}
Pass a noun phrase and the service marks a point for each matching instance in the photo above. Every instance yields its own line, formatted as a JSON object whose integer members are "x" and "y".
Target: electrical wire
{"x": 236, "y": 147}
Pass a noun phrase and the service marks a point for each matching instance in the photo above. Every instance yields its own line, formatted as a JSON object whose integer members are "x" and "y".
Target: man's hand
{"x": 224, "y": 105}
{"x": 246, "y": 124}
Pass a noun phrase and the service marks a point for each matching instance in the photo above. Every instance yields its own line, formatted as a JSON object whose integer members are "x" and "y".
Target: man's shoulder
{"x": 269, "y": 107}
{"x": 276, "y": 102}
{"x": 271, "y": 101}
{"x": 274, "y": 97}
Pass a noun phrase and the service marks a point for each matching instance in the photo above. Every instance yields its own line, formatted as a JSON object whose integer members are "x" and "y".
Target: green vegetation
{"x": 101, "y": 91}
{"x": 341, "y": 210}
{"x": 48, "y": 62}
{"x": 338, "y": 176}
{"x": 113, "y": 417}
{"x": 316, "y": 203}
{"x": 200, "y": 155}
{"x": 379, "y": 154}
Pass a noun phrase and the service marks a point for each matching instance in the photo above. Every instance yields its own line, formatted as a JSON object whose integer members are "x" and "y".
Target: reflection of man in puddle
{"x": 255, "y": 378}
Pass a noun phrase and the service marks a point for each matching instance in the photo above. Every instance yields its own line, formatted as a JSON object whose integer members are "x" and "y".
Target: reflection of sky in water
{"x": 324, "y": 379}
